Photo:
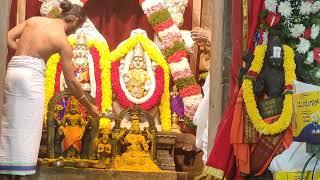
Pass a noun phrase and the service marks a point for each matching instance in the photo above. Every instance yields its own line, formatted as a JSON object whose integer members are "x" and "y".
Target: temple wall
{"x": 4, "y": 19}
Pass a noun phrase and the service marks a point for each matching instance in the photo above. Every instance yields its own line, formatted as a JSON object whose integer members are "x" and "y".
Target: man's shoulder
{"x": 37, "y": 20}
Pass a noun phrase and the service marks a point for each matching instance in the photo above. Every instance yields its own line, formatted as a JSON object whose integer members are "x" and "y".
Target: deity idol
{"x": 72, "y": 127}
{"x": 137, "y": 154}
{"x": 137, "y": 79}
{"x": 254, "y": 147}
{"x": 81, "y": 64}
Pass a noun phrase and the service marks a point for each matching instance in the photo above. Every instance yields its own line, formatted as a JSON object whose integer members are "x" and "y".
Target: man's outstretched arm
{"x": 73, "y": 84}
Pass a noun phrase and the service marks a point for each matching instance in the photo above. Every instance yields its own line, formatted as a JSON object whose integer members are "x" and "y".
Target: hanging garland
{"x": 156, "y": 56}
{"x": 100, "y": 53}
{"x": 249, "y": 98}
{"x": 173, "y": 47}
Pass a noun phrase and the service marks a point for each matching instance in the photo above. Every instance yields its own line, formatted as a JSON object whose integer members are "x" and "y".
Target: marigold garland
{"x": 248, "y": 95}
{"x": 104, "y": 54}
{"x": 155, "y": 55}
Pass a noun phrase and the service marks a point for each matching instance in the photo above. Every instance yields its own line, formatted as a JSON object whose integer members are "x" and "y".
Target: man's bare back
{"x": 41, "y": 37}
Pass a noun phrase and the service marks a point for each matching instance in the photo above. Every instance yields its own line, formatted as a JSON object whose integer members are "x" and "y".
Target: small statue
{"x": 104, "y": 146}
{"x": 72, "y": 127}
{"x": 136, "y": 156}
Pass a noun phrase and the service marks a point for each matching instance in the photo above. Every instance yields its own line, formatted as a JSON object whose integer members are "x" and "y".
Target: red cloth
{"x": 255, "y": 7}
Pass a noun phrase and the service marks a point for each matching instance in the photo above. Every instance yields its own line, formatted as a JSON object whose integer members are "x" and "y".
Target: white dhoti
{"x": 201, "y": 119}
{"x": 22, "y": 120}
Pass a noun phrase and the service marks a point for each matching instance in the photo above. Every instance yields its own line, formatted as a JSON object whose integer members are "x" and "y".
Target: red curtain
{"x": 115, "y": 19}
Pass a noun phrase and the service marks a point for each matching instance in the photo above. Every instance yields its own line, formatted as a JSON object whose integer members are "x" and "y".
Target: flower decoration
{"x": 297, "y": 30}
{"x": 249, "y": 99}
{"x": 314, "y": 31}
{"x": 285, "y": 9}
{"x": 310, "y": 57}
{"x": 174, "y": 51}
{"x": 316, "y": 55}
{"x": 303, "y": 46}
{"x": 306, "y": 7}
{"x": 271, "y": 5}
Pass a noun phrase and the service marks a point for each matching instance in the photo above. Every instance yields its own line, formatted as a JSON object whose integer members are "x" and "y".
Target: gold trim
{"x": 244, "y": 23}
{"x": 216, "y": 173}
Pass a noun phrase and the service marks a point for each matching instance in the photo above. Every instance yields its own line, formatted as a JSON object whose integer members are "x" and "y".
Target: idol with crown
{"x": 140, "y": 77}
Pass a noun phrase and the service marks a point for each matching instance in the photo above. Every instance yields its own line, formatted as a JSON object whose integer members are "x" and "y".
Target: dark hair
{"x": 71, "y": 11}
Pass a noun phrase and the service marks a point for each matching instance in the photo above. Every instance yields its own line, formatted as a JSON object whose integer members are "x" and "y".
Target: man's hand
{"x": 202, "y": 36}
{"x": 93, "y": 111}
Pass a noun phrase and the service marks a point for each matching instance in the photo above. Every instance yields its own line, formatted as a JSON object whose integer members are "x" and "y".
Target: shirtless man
{"x": 35, "y": 40}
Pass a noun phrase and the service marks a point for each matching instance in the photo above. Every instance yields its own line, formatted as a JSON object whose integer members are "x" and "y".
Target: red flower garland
{"x": 58, "y": 74}
{"x": 190, "y": 91}
{"x": 121, "y": 97}
{"x": 177, "y": 56}
{"x": 163, "y": 26}
{"x": 96, "y": 61}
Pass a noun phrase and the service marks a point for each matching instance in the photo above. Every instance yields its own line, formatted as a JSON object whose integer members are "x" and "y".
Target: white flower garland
{"x": 179, "y": 66}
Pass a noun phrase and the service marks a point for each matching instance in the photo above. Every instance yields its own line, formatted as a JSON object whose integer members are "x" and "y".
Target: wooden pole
{"x": 216, "y": 70}
{"x": 4, "y": 19}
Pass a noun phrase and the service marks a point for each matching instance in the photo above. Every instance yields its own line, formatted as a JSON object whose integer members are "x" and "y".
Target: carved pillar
{"x": 220, "y": 60}
{"x": 4, "y": 19}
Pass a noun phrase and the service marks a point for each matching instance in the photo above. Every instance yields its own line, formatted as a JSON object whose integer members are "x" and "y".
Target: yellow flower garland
{"x": 285, "y": 118}
{"x": 104, "y": 53}
{"x": 154, "y": 54}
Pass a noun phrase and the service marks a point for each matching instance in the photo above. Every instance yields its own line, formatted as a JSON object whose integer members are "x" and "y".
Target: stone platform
{"x": 53, "y": 173}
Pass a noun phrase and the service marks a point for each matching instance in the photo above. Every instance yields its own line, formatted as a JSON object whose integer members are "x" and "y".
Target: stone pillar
{"x": 220, "y": 60}
{"x": 4, "y": 19}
